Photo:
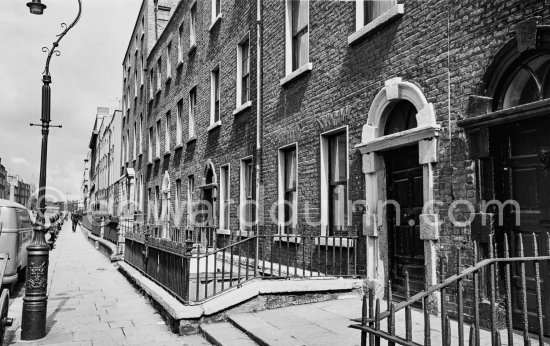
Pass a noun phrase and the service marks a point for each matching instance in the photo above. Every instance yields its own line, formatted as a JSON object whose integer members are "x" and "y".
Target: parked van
{"x": 15, "y": 235}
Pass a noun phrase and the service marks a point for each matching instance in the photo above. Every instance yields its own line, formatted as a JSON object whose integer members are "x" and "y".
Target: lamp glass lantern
{"x": 36, "y": 6}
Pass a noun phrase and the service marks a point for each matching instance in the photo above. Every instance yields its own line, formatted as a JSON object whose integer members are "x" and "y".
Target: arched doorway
{"x": 509, "y": 140}
{"x": 404, "y": 182}
{"x": 207, "y": 216}
{"x": 399, "y": 149}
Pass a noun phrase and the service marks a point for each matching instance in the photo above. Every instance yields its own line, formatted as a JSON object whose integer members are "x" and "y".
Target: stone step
{"x": 262, "y": 332}
{"x": 225, "y": 334}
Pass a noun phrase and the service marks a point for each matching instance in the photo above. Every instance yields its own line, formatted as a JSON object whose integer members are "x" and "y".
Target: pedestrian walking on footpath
{"x": 74, "y": 219}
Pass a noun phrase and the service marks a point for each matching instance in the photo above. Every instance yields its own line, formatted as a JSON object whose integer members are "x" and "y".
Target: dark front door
{"x": 405, "y": 197}
{"x": 521, "y": 175}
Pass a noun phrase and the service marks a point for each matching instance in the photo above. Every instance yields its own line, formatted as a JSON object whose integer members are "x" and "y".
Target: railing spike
{"x": 506, "y": 246}
{"x": 520, "y": 241}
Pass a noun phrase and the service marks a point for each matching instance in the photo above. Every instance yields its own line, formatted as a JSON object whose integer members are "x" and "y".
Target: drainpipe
{"x": 155, "y": 10}
{"x": 258, "y": 108}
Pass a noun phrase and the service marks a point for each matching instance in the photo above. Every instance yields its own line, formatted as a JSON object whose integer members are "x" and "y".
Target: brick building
{"x": 417, "y": 103}
{"x": 198, "y": 132}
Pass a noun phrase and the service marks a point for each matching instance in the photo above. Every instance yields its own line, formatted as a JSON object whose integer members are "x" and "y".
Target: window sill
{"x": 334, "y": 241}
{"x": 214, "y": 125}
{"x": 391, "y": 14}
{"x": 180, "y": 64}
{"x": 192, "y": 49}
{"x": 220, "y": 231}
{"x": 297, "y": 73}
{"x": 179, "y": 146}
{"x": 289, "y": 238}
{"x": 157, "y": 158}
{"x": 168, "y": 79}
{"x": 215, "y": 21}
{"x": 149, "y": 163}
{"x": 241, "y": 233}
{"x": 167, "y": 153}
{"x": 157, "y": 92}
{"x": 191, "y": 140}
{"x": 242, "y": 107}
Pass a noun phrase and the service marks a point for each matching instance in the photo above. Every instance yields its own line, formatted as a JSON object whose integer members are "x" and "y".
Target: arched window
{"x": 527, "y": 82}
{"x": 209, "y": 178}
{"x": 402, "y": 117}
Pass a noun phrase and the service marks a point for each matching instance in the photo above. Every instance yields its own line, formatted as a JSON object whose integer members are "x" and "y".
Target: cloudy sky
{"x": 86, "y": 75}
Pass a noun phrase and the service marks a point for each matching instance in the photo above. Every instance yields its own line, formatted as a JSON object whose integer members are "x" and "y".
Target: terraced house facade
{"x": 373, "y": 129}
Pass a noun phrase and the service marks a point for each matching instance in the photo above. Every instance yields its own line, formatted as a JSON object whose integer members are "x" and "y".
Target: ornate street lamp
{"x": 33, "y": 324}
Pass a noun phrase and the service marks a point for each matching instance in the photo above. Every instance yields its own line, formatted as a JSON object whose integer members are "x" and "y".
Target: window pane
{"x": 338, "y": 205}
{"x": 290, "y": 170}
{"x": 375, "y": 8}
{"x": 300, "y": 50}
{"x": 338, "y": 158}
{"x": 299, "y": 15}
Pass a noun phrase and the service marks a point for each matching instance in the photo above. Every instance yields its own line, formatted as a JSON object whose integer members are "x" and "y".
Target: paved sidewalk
{"x": 91, "y": 303}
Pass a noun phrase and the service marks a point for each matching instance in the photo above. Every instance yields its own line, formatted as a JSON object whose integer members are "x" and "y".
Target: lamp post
{"x": 33, "y": 324}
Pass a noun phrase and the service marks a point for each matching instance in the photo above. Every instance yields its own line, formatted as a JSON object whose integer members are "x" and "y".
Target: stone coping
{"x": 236, "y": 295}
{"x": 107, "y": 244}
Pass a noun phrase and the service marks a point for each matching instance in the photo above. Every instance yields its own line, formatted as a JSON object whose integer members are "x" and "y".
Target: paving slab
{"x": 226, "y": 334}
{"x": 91, "y": 303}
{"x": 262, "y": 331}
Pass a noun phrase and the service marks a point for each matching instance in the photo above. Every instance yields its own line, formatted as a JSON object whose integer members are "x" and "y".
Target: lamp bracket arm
{"x": 54, "y": 50}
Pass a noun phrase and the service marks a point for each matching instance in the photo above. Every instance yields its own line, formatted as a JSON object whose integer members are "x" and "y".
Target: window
{"x": 192, "y": 25}
{"x": 192, "y": 109}
{"x": 158, "y": 201}
{"x": 216, "y": 9}
{"x": 157, "y": 139}
{"x": 373, "y": 9}
{"x": 224, "y": 197}
{"x": 243, "y": 71}
{"x": 288, "y": 193}
{"x": 127, "y": 145}
{"x": 139, "y": 134}
{"x": 149, "y": 202}
{"x": 336, "y": 152}
{"x": 180, "y": 44}
{"x": 167, "y": 133}
{"x": 151, "y": 83}
{"x": 142, "y": 66}
{"x": 169, "y": 61}
{"x": 178, "y": 122}
{"x": 134, "y": 142}
{"x": 135, "y": 84}
{"x": 150, "y": 146}
{"x": 247, "y": 206}
{"x": 215, "y": 96}
{"x": 530, "y": 82}
{"x": 159, "y": 78}
{"x": 190, "y": 190}
{"x": 177, "y": 204}
{"x": 297, "y": 25}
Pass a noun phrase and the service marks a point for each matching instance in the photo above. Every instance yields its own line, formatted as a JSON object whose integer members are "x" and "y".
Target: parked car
{"x": 15, "y": 235}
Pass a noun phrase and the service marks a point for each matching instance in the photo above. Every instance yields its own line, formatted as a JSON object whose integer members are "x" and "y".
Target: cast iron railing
{"x": 370, "y": 323}
{"x": 210, "y": 271}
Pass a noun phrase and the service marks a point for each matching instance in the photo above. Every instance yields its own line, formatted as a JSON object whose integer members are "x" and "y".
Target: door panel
{"x": 406, "y": 250}
{"x": 524, "y": 180}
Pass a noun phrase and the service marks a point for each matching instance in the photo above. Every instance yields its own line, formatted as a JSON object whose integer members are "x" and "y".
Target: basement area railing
{"x": 522, "y": 302}
{"x": 193, "y": 273}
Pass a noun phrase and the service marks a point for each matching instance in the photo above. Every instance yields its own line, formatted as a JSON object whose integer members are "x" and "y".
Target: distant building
{"x": 4, "y": 188}
{"x": 105, "y": 149}
{"x": 19, "y": 190}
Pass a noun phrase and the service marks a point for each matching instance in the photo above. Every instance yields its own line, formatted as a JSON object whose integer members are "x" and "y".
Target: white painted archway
{"x": 373, "y": 143}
